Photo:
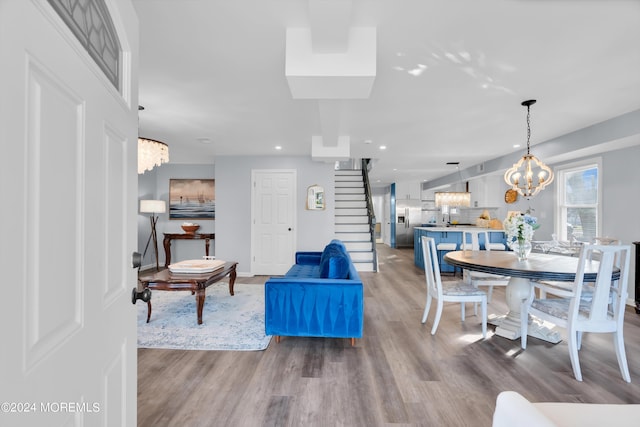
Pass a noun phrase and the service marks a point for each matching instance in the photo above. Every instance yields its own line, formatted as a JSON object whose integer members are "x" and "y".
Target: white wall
{"x": 233, "y": 204}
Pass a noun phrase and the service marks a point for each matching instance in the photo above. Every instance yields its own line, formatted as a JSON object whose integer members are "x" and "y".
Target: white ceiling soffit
{"x": 335, "y": 153}
{"x": 330, "y": 61}
{"x": 343, "y": 75}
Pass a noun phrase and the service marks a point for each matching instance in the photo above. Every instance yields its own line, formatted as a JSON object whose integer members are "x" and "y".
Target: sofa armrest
{"x": 513, "y": 410}
{"x": 312, "y": 258}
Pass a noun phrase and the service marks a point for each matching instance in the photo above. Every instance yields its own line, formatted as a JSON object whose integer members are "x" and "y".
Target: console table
{"x": 168, "y": 237}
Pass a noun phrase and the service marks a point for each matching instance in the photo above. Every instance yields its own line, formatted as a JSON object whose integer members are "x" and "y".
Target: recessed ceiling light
{"x": 516, "y": 145}
{"x": 383, "y": 147}
{"x": 278, "y": 147}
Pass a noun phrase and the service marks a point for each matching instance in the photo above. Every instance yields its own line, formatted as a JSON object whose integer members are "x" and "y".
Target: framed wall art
{"x": 315, "y": 198}
{"x": 192, "y": 199}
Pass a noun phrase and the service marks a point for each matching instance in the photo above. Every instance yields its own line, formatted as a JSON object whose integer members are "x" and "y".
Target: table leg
{"x": 508, "y": 326}
{"x": 166, "y": 242}
{"x": 148, "y": 310}
{"x": 200, "y": 297}
{"x": 232, "y": 280}
{"x": 206, "y": 247}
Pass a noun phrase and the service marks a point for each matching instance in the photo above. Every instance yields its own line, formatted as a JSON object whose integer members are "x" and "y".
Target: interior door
{"x": 68, "y": 226}
{"x": 273, "y": 221}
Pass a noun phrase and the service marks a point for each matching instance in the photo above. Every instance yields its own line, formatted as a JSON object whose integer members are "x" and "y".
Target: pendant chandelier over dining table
{"x": 529, "y": 175}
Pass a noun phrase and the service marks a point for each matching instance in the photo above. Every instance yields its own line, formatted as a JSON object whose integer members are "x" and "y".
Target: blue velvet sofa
{"x": 320, "y": 296}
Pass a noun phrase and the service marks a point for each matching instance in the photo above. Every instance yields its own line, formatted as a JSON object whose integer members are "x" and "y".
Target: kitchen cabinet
{"x": 439, "y": 237}
{"x": 449, "y": 235}
{"x": 408, "y": 190}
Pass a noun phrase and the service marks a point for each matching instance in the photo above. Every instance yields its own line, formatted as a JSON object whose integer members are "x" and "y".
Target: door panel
{"x": 273, "y": 224}
{"x": 54, "y": 114}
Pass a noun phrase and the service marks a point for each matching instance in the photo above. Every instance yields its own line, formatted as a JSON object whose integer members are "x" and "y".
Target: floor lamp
{"x": 153, "y": 207}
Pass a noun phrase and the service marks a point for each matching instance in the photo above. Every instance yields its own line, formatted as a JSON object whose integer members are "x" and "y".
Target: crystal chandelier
{"x": 151, "y": 153}
{"x": 529, "y": 176}
{"x": 453, "y": 198}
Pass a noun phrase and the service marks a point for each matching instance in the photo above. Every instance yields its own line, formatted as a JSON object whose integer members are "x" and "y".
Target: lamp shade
{"x": 153, "y": 206}
{"x": 452, "y": 198}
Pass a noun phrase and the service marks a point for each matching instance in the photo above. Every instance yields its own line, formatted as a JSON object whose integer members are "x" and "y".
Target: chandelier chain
{"x": 528, "y": 129}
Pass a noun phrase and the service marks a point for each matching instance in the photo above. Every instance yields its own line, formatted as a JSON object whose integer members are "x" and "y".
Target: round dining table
{"x": 536, "y": 267}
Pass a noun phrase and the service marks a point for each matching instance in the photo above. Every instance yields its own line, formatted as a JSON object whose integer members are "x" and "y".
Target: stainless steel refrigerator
{"x": 408, "y": 216}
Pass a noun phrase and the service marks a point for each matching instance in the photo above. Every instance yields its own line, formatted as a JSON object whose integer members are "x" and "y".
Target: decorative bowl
{"x": 190, "y": 229}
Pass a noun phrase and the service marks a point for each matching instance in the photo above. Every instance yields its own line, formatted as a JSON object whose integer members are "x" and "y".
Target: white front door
{"x": 68, "y": 189}
{"x": 273, "y": 221}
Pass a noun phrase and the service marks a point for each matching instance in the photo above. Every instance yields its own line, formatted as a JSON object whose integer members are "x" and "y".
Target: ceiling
{"x": 448, "y": 80}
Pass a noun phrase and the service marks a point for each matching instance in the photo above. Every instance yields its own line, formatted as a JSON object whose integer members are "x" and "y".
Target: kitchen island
{"x": 451, "y": 234}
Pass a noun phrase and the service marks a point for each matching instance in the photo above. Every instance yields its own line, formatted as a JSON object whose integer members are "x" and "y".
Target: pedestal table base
{"x": 508, "y": 326}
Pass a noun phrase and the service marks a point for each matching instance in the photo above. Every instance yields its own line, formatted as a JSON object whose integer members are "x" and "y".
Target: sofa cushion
{"x": 334, "y": 262}
{"x": 304, "y": 271}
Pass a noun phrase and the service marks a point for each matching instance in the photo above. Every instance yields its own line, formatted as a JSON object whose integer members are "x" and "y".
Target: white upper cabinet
{"x": 408, "y": 190}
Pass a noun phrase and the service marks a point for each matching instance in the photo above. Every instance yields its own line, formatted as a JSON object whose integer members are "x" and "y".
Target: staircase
{"x": 351, "y": 219}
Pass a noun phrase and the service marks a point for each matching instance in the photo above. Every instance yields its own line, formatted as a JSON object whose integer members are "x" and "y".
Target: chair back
{"x": 605, "y": 241}
{"x": 475, "y": 240}
{"x": 431, "y": 267}
{"x": 606, "y": 308}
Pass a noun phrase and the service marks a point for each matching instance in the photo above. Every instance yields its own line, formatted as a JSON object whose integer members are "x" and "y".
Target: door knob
{"x": 136, "y": 260}
{"x": 145, "y": 295}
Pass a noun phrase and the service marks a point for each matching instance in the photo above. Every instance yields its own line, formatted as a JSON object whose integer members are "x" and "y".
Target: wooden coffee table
{"x": 197, "y": 283}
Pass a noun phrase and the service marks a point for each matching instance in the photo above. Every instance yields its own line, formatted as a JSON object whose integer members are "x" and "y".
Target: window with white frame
{"x": 579, "y": 200}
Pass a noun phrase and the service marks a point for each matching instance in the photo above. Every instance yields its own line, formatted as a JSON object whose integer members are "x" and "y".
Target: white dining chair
{"x": 471, "y": 241}
{"x": 448, "y": 291}
{"x": 596, "y": 314}
{"x": 564, "y": 288}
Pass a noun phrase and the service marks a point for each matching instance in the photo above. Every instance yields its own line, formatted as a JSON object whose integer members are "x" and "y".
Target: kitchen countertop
{"x": 457, "y": 228}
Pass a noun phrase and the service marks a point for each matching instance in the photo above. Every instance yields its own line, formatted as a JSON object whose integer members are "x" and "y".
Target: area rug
{"x": 228, "y": 322}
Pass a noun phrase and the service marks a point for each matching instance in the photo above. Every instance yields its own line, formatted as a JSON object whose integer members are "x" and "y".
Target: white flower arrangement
{"x": 520, "y": 228}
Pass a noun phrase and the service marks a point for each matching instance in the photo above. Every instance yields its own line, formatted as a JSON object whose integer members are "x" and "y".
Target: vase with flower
{"x": 519, "y": 229}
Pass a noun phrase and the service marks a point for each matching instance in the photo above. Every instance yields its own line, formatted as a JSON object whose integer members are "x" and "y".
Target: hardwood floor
{"x": 397, "y": 374}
